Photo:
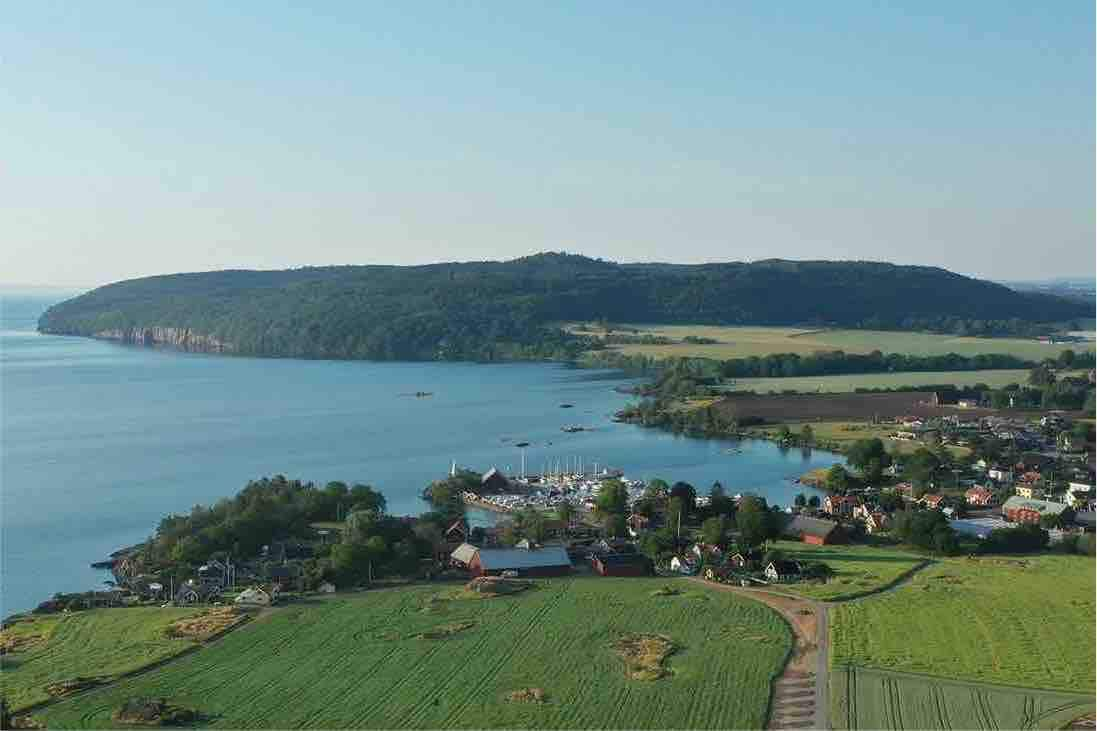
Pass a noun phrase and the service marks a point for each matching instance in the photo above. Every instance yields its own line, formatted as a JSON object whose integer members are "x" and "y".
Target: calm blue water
{"x": 99, "y": 441}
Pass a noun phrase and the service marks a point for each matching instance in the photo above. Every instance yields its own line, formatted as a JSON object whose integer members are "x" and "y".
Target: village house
{"x": 840, "y": 505}
{"x": 1029, "y": 490}
{"x": 1022, "y": 510}
{"x": 932, "y": 500}
{"x": 326, "y": 588}
{"x": 815, "y": 531}
{"x": 253, "y": 597}
{"x": 621, "y": 564}
{"x": 979, "y": 496}
{"x": 683, "y": 565}
{"x": 1000, "y": 473}
{"x": 747, "y": 560}
{"x": 876, "y": 522}
{"x": 783, "y": 571}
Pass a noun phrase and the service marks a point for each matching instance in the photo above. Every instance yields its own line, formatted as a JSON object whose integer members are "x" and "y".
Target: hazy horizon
{"x": 147, "y": 140}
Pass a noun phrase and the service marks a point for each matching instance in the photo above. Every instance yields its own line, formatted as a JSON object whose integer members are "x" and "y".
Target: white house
{"x": 253, "y": 597}
{"x": 683, "y": 566}
{"x": 783, "y": 571}
{"x": 326, "y": 588}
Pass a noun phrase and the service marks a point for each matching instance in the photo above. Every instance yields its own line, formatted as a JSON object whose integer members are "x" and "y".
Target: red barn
{"x": 815, "y": 531}
{"x": 529, "y": 562}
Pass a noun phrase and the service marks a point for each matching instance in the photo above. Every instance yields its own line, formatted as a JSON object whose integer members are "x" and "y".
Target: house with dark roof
{"x": 622, "y": 564}
{"x": 815, "y": 531}
{"x": 784, "y": 570}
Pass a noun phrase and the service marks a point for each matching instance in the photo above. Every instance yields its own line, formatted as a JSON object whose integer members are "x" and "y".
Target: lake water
{"x": 99, "y": 440}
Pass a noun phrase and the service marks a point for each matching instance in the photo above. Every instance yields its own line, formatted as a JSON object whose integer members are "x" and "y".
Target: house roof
{"x": 619, "y": 559}
{"x": 803, "y": 525}
{"x": 1043, "y": 507}
{"x": 518, "y": 558}
{"x": 464, "y": 553}
{"x": 785, "y": 567}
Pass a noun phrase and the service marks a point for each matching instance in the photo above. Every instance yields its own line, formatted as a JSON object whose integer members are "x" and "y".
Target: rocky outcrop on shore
{"x": 173, "y": 337}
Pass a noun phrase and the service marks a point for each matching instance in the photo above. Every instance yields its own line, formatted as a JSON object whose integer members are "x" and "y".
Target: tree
{"x": 359, "y": 526}
{"x": 807, "y": 435}
{"x": 612, "y": 499}
{"x": 530, "y": 524}
{"x": 800, "y": 500}
{"x": 1066, "y": 359}
{"x": 565, "y": 513}
{"x": 364, "y": 497}
{"x": 657, "y": 488}
{"x": 838, "y": 480}
{"x": 921, "y": 467}
{"x": 772, "y": 555}
{"x": 687, "y": 494}
{"x": 870, "y": 457}
{"x": 714, "y": 531}
{"x": 718, "y": 501}
{"x": 1041, "y": 376}
{"x": 757, "y": 523}
{"x": 615, "y": 525}
{"x": 814, "y": 502}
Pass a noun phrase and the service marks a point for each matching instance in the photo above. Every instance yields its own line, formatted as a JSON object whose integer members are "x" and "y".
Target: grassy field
{"x": 358, "y": 661}
{"x": 1025, "y": 621}
{"x": 740, "y": 342}
{"x": 95, "y": 643}
{"x": 848, "y": 383}
{"x": 844, "y": 433}
{"x": 874, "y": 699}
{"x": 858, "y": 570}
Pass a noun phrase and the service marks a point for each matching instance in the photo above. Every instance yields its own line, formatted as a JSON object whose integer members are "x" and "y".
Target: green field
{"x": 356, "y": 662}
{"x": 95, "y": 643}
{"x": 849, "y": 383}
{"x": 841, "y": 434}
{"x": 874, "y": 699}
{"x": 741, "y": 342}
{"x": 1024, "y": 621}
{"x": 858, "y": 569}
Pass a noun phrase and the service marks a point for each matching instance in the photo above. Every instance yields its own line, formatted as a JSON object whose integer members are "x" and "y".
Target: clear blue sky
{"x": 146, "y": 138}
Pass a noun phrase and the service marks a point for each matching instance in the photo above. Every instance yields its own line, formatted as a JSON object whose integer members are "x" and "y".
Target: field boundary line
{"x": 968, "y": 682}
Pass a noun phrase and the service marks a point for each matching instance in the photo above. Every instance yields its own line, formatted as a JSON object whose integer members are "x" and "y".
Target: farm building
{"x": 462, "y": 555}
{"x": 783, "y": 571}
{"x": 979, "y": 496}
{"x": 815, "y": 531}
{"x": 253, "y": 597}
{"x": 544, "y": 561}
{"x": 933, "y": 500}
{"x": 1020, "y": 510}
{"x": 621, "y": 564}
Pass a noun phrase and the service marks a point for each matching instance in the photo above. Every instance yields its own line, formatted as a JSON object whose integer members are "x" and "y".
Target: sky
{"x": 146, "y": 138}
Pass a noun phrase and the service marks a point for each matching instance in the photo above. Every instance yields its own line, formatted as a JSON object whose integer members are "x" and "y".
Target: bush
{"x": 1027, "y": 538}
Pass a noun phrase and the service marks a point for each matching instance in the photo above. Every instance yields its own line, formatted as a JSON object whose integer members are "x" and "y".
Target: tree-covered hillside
{"x": 491, "y": 310}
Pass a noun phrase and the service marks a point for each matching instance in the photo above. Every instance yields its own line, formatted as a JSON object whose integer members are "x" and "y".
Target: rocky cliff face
{"x": 172, "y": 337}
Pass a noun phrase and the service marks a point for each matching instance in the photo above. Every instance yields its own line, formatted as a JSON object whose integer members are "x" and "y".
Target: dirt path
{"x": 800, "y": 695}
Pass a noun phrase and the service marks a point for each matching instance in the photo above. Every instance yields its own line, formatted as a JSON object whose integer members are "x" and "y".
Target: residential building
{"x": 1022, "y": 510}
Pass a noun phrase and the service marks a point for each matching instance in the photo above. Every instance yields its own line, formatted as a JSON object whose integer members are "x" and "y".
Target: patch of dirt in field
{"x": 666, "y": 591}
{"x": 26, "y": 721}
{"x": 434, "y": 605}
{"x": 486, "y": 587}
{"x": 205, "y": 625}
{"x": 527, "y": 695}
{"x": 443, "y": 631}
{"x": 153, "y": 712}
{"x": 644, "y": 655}
{"x": 68, "y": 687}
{"x": 11, "y": 642}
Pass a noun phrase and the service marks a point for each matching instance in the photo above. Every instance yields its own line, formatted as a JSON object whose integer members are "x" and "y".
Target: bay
{"x": 98, "y": 441}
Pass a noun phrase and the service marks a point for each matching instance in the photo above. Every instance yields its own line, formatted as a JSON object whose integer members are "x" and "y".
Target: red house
{"x": 979, "y": 496}
{"x": 815, "y": 531}
{"x": 621, "y": 564}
